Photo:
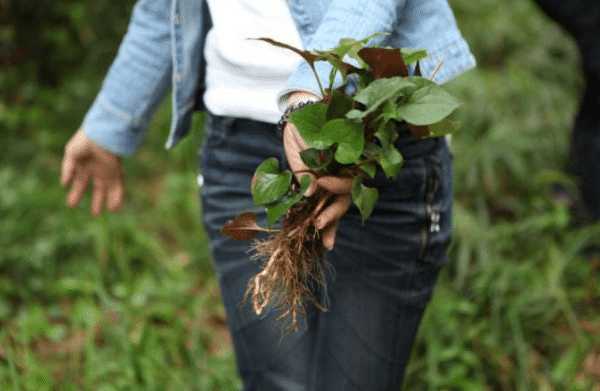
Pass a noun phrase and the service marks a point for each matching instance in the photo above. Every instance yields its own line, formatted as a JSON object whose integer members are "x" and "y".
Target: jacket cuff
{"x": 112, "y": 129}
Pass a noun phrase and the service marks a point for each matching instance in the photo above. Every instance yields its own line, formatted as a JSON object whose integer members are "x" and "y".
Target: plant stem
{"x": 312, "y": 67}
{"x": 306, "y": 171}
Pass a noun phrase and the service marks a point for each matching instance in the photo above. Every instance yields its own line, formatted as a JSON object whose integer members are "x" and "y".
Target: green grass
{"x": 129, "y": 301}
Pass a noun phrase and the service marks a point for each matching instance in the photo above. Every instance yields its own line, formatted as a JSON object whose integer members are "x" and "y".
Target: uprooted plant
{"x": 348, "y": 135}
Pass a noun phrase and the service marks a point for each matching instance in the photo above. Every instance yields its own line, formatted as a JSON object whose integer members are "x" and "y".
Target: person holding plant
{"x": 385, "y": 268}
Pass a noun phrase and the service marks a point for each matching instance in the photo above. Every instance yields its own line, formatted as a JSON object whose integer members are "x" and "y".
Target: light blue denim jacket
{"x": 163, "y": 49}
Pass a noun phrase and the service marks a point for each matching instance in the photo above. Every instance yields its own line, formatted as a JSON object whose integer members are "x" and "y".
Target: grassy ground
{"x": 129, "y": 302}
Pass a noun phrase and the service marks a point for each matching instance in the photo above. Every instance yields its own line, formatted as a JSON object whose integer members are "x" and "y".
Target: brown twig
{"x": 436, "y": 70}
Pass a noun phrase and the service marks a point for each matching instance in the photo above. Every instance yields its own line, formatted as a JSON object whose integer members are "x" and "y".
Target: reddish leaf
{"x": 243, "y": 227}
{"x": 384, "y": 62}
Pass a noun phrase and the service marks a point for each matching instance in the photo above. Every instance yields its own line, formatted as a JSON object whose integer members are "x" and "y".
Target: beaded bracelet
{"x": 286, "y": 115}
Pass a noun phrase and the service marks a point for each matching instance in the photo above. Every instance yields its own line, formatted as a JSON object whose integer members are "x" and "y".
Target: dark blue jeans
{"x": 384, "y": 270}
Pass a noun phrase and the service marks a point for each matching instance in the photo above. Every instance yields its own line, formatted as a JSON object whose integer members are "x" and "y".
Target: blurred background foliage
{"x": 129, "y": 301}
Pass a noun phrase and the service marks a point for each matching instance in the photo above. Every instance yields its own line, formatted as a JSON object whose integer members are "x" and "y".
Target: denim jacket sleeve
{"x": 136, "y": 82}
{"x": 343, "y": 18}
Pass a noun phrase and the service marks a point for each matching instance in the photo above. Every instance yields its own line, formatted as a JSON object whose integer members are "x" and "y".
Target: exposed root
{"x": 293, "y": 270}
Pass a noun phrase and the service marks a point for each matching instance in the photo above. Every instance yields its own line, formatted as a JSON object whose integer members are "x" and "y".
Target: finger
{"x": 292, "y": 151}
{"x": 115, "y": 197}
{"x": 297, "y": 138}
{"x": 293, "y": 145}
{"x": 80, "y": 182}
{"x": 335, "y": 184}
{"x": 68, "y": 169}
{"x": 334, "y": 211}
{"x": 328, "y": 236}
{"x": 98, "y": 196}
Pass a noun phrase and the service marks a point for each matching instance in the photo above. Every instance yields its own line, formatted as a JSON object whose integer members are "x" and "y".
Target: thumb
{"x": 293, "y": 145}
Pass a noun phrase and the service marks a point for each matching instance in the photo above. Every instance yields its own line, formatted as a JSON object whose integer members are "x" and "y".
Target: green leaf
{"x": 386, "y": 134}
{"x": 390, "y": 160}
{"x": 427, "y": 105}
{"x": 369, "y": 168}
{"x": 355, "y": 114}
{"x": 268, "y": 166}
{"x": 339, "y": 105}
{"x": 388, "y": 110}
{"x": 380, "y": 91}
{"x": 305, "y": 182}
{"x": 388, "y": 157}
{"x": 351, "y": 47}
{"x": 280, "y": 208}
{"x": 317, "y": 159}
{"x": 364, "y": 197}
{"x": 420, "y": 82}
{"x": 309, "y": 120}
{"x": 270, "y": 184}
{"x": 413, "y": 55}
{"x": 348, "y": 136}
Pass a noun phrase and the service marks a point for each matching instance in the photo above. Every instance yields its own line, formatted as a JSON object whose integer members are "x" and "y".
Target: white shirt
{"x": 243, "y": 77}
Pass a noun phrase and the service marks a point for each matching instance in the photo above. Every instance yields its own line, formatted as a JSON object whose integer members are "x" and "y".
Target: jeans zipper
{"x": 432, "y": 213}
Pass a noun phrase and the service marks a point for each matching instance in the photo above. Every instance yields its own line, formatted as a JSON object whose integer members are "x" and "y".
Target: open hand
{"x": 328, "y": 219}
{"x": 85, "y": 162}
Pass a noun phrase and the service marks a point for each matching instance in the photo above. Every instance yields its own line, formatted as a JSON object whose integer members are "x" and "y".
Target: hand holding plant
{"x": 327, "y": 220}
{"x": 332, "y": 146}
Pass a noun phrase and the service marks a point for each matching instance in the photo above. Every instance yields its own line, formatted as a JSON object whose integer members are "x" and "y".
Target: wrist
{"x": 291, "y": 107}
